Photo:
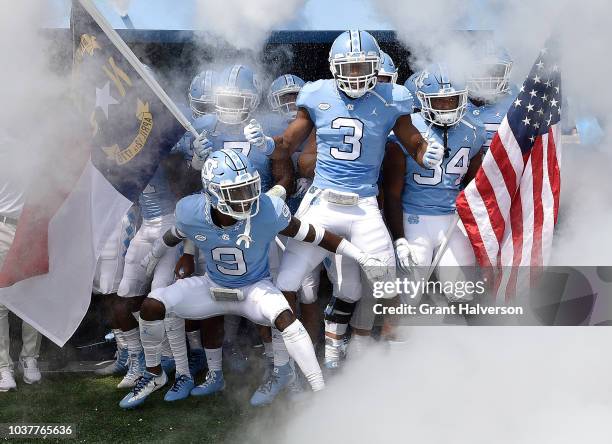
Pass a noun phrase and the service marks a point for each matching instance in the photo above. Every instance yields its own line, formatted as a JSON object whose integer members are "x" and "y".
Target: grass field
{"x": 92, "y": 405}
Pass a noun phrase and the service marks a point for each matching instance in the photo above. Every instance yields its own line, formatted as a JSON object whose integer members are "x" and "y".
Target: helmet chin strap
{"x": 246, "y": 236}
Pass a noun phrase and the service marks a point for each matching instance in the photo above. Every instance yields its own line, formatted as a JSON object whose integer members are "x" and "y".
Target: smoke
{"x": 461, "y": 385}
{"x": 121, "y": 6}
{"x": 245, "y": 24}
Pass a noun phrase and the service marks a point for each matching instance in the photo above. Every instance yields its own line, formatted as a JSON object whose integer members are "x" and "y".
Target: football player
{"x": 109, "y": 271}
{"x": 489, "y": 91}
{"x": 419, "y": 201}
{"x": 201, "y": 100}
{"x": 353, "y": 115}
{"x": 234, "y": 224}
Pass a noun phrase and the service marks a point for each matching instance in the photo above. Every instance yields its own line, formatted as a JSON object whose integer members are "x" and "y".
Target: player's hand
{"x": 150, "y": 261}
{"x": 202, "y": 146}
{"x": 404, "y": 256}
{"x": 254, "y": 134}
{"x": 301, "y": 186}
{"x": 185, "y": 266}
{"x": 433, "y": 154}
{"x": 374, "y": 268}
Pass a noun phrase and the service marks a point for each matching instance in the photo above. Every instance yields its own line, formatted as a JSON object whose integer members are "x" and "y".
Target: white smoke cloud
{"x": 245, "y": 24}
{"x": 462, "y": 385}
{"x": 121, "y": 6}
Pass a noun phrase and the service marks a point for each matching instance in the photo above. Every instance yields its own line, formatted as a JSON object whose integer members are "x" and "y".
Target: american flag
{"x": 510, "y": 209}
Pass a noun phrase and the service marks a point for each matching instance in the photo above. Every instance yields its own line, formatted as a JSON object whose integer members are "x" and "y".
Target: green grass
{"x": 92, "y": 405}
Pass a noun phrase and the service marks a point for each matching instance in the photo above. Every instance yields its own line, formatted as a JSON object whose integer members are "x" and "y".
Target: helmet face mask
{"x": 387, "y": 72}
{"x": 234, "y": 107}
{"x": 445, "y": 108}
{"x": 490, "y": 80}
{"x": 284, "y": 101}
{"x": 201, "y": 107}
{"x": 201, "y": 100}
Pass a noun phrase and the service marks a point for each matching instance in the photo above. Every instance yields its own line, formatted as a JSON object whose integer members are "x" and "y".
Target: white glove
{"x": 254, "y": 134}
{"x": 202, "y": 147}
{"x": 404, "y": 256}
{"x": 433, "y": 154}
{"x": 150, "y": 261}
{"x": 374, "y": 268}
{"x": 278, "y": 191}
{"x": 301, "y": 186}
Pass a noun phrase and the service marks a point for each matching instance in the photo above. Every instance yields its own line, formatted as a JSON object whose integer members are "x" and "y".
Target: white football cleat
{"x": 7, "y": 381}
{"x": 136, "y": 368}
{"x": 146, "y": 384}
{"x": 29, "y": 367}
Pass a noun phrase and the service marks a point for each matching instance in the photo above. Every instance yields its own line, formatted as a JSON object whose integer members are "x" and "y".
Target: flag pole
{"x": 125, "y": 50}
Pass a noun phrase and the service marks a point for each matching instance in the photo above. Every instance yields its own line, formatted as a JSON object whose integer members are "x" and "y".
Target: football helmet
{"x": 283, "y": 95}
{"x": 410, "y": 85}
{"x": 201, "y": 99}
{"x": 354, "y": 61}
{"x": 387, "y": 68}
{"x": 490, "y": 75}
{"x": 232, "y": 183}
{"x": 443, "y": 102}
{"x": 236, "y": 93}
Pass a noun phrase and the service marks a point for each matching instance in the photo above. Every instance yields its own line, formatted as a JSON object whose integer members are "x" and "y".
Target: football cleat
{"x": 180, "y": 389}
{"x": 269, "y": 367}
{"x": 118, "y": 367}
{"x": 29, "y": 367}
{"x": 214, "y": 383}
{"x": 145, "y": 385}
{"x": 197, "y": 361}
{"x": 167, "y": 363}
{"x": 7, "y": 380}
{"x": 296, "y": 390}
{"x": 235, "y": 359}
{"x": 334, "y": 353}
{"x": 136, "y": 368}
{"x": 279, "y": 379}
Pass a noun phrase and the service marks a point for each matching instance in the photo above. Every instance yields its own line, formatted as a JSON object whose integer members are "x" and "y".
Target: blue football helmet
{"x": 283, "y": 95}
{"x": 388, "y": 70}
{"x": 443, "y": 101}
{"x": 237, "y": 93}
{"x": 490, "y": 76}
{"x": 232, "y": 183}
{"x": 354, "y": 61}
{"x": 201, "y": 99}
{"x": 410, "y": 85}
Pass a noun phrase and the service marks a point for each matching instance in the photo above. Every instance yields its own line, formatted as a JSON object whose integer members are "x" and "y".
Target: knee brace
{"x": 339, "y": 311}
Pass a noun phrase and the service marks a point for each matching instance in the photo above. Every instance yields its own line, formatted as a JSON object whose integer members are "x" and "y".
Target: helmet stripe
{"x": 236, "y": 160}
{"x": 355, "y": 41}
{"x": 289, "y": 79}
{"x": 233, "y": 76}
{"x": 208, "y": 80}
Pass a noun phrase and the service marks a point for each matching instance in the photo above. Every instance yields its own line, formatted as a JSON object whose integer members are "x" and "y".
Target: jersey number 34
{"x": 458, "y": 165}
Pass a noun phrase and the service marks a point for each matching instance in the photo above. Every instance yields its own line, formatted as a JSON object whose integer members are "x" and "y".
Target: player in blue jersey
{"x": 420, "y": 202}
{"x": 234, "y": 224}
{"x": 489, "y": 90}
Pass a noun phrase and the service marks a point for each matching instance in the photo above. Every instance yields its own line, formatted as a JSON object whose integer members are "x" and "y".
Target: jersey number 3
{"x": 354, "y": 140}
{"x": 232, "y": 259}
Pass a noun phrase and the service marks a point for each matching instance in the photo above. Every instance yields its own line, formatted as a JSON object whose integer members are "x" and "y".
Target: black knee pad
{"x": 339, "y": 311}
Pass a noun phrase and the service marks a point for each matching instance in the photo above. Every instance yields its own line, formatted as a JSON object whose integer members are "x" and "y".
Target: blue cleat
{"x": 235, "y": 359}
{"x": 214, "y": 383}
{"x": 180, "y": 389}
{"x": 118, "y": 367}
{"x": 146, "y": 384}
{"x": 280, "y": 378}
{"x": 197, "y": 361}
{"x": 167, "y": 363}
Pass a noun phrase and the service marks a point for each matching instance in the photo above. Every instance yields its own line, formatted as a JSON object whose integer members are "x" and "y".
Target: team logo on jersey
{"x": 350, "y": 106}
{"x": 286, "y": 211}
{"x": 413, "y": 219}
{"x": 374, "y": 112}
{"x": 200, "y": 237}
{"x": 225, "y": 236}
{"x": 476, "y": 112}
{"x": 324, "y": 106}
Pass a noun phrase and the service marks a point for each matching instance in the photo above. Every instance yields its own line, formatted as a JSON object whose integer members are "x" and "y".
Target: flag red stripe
{"x": 488, "y": 197}
{"x": 498, "y": 150}
{"x": 471, "y": 228}
{"x": 554, "y": 173}
{"x": 537, "y": 165}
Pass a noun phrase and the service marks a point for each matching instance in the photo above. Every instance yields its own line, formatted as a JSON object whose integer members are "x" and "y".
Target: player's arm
{"x": 283, "y": 174}
{"x": 171, "y": 238}
{"x": 294, "y": 135}
{"x": 428, "y": 154}
{"x": 475, "y": 163}
{"x": 308, "y": 158}
{"x": 373, "y": 267}
{"x": 394, "y": 171}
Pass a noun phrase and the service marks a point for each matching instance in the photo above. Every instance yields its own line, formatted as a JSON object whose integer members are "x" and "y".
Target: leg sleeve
{"x": 263, "y": 303}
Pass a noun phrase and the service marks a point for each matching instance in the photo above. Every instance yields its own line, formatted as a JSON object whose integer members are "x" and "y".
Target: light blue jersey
{"x": 434, "y": 191}
{"x": 352, "y": 133}
{"x": 492, "y": 114}
{"x": 227, "y": 264}
{"x": 230, "y": 136}
{"x": 157, "y": 199}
